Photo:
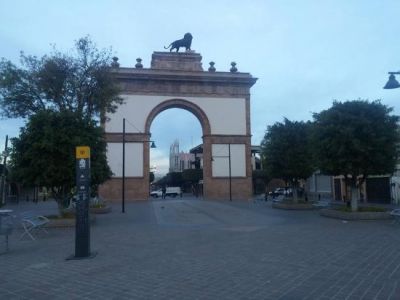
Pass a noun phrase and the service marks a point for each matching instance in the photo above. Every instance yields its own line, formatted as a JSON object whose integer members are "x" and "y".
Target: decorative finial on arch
{"x": 115, "y": 63}
{"x": 211, "y": 68}
{"x": 233, "y": 68}
{"x": 139, "y": 63}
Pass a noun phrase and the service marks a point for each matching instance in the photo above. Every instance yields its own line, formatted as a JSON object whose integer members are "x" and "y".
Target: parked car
{"x": 156, "y": 194}
{"x": 287, "y": 191}
{"x": 171, "y": 191}
{"x": 280, "y": 191}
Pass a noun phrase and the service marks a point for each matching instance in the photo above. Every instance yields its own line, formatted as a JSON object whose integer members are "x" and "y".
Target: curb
{"x": 354, "y": 216}
{"x": 293, "y": 206}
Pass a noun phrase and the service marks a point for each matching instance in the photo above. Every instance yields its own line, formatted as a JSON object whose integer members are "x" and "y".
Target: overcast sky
{"x": 305, "y": 54}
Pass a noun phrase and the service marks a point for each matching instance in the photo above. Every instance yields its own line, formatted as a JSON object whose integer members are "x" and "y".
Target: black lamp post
{"x": 392, "y": 82}
{"x": 153, "y": 145}
{"x": 3, "y": 174}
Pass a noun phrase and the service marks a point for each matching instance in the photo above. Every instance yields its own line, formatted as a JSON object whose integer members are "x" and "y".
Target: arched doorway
{"x": 219, "y": 100}
{"x": 176, "y": 161}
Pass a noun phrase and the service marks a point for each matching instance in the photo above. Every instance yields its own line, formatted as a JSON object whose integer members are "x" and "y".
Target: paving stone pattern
{"x": 196, "y": 249}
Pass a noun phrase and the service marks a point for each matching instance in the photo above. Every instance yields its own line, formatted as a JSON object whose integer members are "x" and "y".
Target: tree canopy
{"x": 62, "y": 96}
{"x": 174, "y": 179}
{"x": 44, "y": 153}
{"x": 286, "y": 151}
{"x": 151, "y": 177}
{"x": 356, "y": 139}
{"x": 192, "y": 175}
{"x": 79, "y": 83}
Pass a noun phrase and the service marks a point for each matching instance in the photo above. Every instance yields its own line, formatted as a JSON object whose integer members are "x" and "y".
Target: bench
{"x": 6, "y": 225}
{"x": 396, "y": 215}
{"x": 31, "y": 222}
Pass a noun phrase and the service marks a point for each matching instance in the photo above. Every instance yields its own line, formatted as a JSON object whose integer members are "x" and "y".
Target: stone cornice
{"x": 228, "y": 78}
{"x": 184, "y": 83}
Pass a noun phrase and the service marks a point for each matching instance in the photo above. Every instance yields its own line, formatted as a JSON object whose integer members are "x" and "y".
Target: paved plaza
{"x": 195, "y": 249}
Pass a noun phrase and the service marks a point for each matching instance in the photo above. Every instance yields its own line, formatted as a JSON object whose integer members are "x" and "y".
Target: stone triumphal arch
{"x": 219, "y": 100}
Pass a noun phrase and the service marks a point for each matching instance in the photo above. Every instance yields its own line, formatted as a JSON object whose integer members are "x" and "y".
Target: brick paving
{"x": 196, "y": 249}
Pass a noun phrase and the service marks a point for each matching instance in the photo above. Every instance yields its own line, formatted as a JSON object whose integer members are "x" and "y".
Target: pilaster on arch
{"x": 183, "y": 104}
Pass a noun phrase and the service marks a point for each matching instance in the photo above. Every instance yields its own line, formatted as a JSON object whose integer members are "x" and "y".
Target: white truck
{"x": 172, "y": 191}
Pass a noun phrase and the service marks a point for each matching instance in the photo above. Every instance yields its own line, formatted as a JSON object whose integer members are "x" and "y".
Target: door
{"x": 378, "y": 190}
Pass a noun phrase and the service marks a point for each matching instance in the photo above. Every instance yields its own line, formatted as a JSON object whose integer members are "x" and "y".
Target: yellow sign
{"x": 82, "y": 152}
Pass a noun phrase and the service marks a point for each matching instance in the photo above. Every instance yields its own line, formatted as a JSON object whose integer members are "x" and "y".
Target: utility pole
{"x": 123, "y": 165}
{"x": 230, "y": 172}
{"x": 3, "y": 174}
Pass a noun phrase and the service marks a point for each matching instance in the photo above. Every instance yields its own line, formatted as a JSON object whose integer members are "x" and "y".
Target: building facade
{"x": 179, "y": 160}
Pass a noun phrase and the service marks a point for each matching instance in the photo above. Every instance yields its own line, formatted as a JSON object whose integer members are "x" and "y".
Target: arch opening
{"x": 177, "y": 131}
{"x": 182, "y": 104}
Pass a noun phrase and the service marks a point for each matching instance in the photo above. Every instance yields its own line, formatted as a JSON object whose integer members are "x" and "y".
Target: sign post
{"x": 82, "y": 228}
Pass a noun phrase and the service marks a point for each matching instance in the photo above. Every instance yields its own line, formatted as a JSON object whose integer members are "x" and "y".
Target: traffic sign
{"x": 82, "y": 152}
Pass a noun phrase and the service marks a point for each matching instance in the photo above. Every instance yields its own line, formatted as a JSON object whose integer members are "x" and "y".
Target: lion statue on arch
{"x": 185, "y": 42}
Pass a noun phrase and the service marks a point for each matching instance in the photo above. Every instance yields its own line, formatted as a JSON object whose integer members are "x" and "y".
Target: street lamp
{"x": 392, "y": 82}
{"x": 153, "y": 145}
{"x": 3, "y": 174}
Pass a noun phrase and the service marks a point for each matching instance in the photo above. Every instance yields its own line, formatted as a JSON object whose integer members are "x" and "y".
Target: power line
{"x": 129, "y": 122}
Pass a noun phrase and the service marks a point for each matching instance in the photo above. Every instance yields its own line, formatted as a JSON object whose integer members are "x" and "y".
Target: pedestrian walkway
{"x": 197, "y": 249}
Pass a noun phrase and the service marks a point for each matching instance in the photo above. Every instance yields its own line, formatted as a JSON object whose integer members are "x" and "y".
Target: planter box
{"x": 70, "y": 222}
{"x": 100, "y": 210}
{"x": 331, "y": 213}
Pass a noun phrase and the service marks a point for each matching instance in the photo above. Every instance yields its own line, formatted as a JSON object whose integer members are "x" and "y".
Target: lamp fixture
{"x": 392, "y": 82}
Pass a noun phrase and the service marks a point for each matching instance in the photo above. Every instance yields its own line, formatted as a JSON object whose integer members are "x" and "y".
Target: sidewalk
{"x": 196, "y": 249}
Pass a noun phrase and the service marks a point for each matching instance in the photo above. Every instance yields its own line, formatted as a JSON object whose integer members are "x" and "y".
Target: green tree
{"x": 77, "y": 88}
{"x": 260, "y": 180}
{"x": 44, "y": 153}
{"x": 286, "y": 152}
{"x": 151, "y": 177}
{"x": 174, "y": 179}
{"x": 192, "y": 175}
{"x": 81, "y": 83}
{"x": 356, "y": 139}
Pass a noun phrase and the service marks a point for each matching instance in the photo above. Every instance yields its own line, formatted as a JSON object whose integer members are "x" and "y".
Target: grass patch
{"x": 64, "y": 215}
{"x": 291, "y": 201}
{"x": 362, "y": 209}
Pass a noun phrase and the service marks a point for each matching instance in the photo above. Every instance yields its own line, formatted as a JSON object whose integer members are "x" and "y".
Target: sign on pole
{"x": 82, "y": 228}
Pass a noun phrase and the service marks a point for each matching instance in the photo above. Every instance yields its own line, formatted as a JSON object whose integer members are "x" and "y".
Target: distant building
{"x": 383, "y": 189}
{"x": 174, "y": 156}
{"x": 197, "y": 161}
{"x": 255, "y": 157}
{"x": 179, "y": 161}
{"x": 319, "y": 186}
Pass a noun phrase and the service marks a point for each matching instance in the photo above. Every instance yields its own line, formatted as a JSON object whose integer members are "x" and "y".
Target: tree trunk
{"x": 294, "y": 190}
{"x": 59, "y": 197}
{"x": 354, "y": 197}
